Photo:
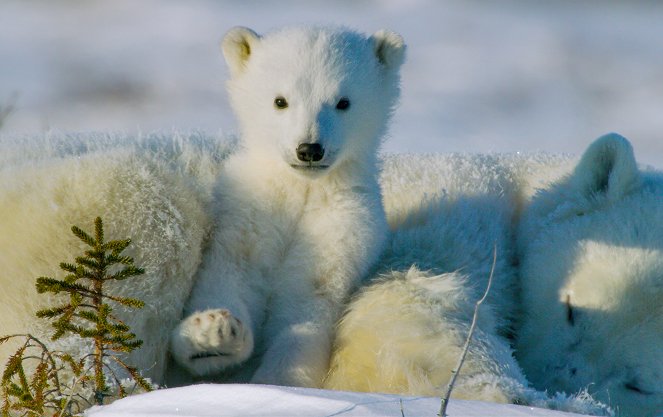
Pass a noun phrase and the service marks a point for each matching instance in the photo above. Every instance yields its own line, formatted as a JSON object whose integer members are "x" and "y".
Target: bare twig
{"x": 69, "y": 399}
{"x": 461, "y": 361}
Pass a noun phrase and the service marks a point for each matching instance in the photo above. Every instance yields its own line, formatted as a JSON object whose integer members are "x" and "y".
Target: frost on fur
{"x": 591, "y": 247}
{"x": 155, "y": 188}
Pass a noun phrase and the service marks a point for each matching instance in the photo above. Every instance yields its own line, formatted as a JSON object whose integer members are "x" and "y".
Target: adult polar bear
{"x": 299, "y": 206}
{"x": 404, "y": 332}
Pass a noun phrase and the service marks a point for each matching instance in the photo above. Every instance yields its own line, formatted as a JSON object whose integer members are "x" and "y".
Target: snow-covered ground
{"x": 263, "y": 401}
{"x": 505, "y": 75}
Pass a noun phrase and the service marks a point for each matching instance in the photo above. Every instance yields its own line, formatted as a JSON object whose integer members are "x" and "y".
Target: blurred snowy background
{"x": 503, "y": 75}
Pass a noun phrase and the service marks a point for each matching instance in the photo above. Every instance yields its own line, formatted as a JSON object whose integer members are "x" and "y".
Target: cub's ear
{"x": 607, "y": 168}
{"x": 389, "y": 48}
{"x": 237, "y": 47}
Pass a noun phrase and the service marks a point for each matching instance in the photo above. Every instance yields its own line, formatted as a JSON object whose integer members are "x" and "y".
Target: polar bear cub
{"x": 299, "y": 211}
{"x": 591, "y": 246}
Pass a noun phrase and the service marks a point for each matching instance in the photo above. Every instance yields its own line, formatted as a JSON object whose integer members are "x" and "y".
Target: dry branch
{"x": 461, "y": 361}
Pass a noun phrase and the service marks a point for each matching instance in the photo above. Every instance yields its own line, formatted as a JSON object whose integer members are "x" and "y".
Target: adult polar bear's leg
{"x": 405, "y": 333}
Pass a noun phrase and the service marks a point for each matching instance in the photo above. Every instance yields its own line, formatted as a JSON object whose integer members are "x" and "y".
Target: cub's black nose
{"x": 310, "y": 152}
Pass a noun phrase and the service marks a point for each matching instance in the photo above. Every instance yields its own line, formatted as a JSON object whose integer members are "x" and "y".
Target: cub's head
{"x": 313, "y": 99}
{"x": 592, "y": 280}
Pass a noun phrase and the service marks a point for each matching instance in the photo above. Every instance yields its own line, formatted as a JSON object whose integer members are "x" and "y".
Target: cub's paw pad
{"x": 211, "y": 340}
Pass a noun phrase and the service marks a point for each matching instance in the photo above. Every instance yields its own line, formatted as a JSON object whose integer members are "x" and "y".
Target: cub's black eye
{"x": 280, "y": 102}
{"x": 343, "y": 104}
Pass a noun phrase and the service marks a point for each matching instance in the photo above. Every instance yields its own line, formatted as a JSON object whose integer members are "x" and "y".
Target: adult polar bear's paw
{"x": 210, "y": 341}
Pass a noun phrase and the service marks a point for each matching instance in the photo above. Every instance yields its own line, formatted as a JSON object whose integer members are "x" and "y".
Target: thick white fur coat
{"x": 276, "y": 237}
{"x": 401, "y": 333}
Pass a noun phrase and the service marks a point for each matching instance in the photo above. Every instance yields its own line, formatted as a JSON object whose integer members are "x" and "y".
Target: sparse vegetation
{"x": 44, "y": 391}
{"x": 56, "y": 376}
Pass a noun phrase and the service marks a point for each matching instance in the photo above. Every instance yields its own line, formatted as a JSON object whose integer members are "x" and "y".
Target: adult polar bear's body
{"x": 404, "y": 332}
{"x": 155, "y": 190}
{"x": 445, "y": 212}
{"x": 299, "y": 209}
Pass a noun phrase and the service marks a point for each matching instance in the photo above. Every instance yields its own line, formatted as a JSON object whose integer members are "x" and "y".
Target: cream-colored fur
{"x": 154, "y": 190}
{"x": 405, "y": 335}
{"x": 403, "y": 332}
{"x": 277, "y": 240}
{"x": 271, "y": 245}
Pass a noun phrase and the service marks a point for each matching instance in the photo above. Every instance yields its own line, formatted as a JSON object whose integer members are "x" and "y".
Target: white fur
{"x": 292, "y": 238}
{"x": 289, "y": 239}
{"x": 445, "y": 212}
{"x": 405, "y": 331}
{"x": 592, "y": 268}
{"x": 286, "y": 241}
{"x": 154, "y": 190}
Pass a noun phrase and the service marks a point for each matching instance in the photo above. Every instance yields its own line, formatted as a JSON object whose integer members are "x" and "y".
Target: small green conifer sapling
{"x": 86, "y": 314}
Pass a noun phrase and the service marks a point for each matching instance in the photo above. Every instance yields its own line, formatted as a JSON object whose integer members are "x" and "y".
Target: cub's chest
{"x": 296, "y": 226}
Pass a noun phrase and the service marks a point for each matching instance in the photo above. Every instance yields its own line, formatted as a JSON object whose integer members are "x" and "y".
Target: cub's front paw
{"x": 210, "y": 341}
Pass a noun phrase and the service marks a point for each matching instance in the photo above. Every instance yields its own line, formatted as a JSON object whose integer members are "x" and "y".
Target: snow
{"x": 504, "y": 75}
{"x": 264, "y": 400}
